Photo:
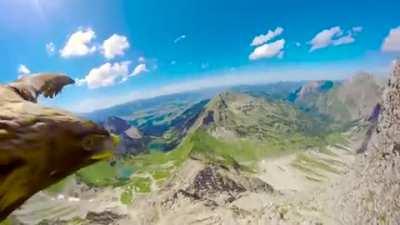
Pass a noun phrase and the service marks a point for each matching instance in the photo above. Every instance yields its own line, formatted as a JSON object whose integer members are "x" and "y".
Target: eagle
{"x": 40, "y": 145}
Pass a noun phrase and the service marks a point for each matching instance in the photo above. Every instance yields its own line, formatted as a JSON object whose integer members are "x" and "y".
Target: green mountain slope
{"x": 233, "y": 132}
{"x": 243, "y": 116}
{"x": 238, "y": 130}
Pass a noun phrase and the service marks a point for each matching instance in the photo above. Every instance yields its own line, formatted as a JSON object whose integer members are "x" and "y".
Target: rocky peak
{"x": 133, "y": 133}
{"x": 376, "y": 192}
{"x": 361, "y": 77}
{"x": 216, "y": 185}
{"x": 132, "y": 140}
{"x": 116, "y": 125}
{"x": 315, "y": 87}
{"x": 389, "y": 124}
{"x": 311, "y": 88}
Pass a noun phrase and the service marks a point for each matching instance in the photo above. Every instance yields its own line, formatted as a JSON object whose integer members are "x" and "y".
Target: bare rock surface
{"x": 279, "y": 193}
{"x": 373, "y": 191}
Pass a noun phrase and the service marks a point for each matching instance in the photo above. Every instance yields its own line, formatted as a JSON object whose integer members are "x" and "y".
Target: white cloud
{"x": 106, "y": 75}
{"x": 115, "y": 46}
{"x": 324, "y": 38}
{"x": 139, "y": 69}
{"x": 50, "y": 48}
{"x": 333, "y": 36}
{"x": 269, "y": 50}
{"x": 298, "y": 44}
{"x": 79, "y": 44}
{"x": 264, "y": 38}
{"x": 357, "y": 29}
{"x": 348, "y": 39}
{"x": 141, "y": 59}
{"x": 392, "y": 41}
{"x": 180, "y": 38}
{"x": 23, "y": 71}
{"x": 110, "y": 74}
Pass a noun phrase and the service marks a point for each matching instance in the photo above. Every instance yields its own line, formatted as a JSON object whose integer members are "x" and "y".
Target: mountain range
{"x": 236, "y": 155}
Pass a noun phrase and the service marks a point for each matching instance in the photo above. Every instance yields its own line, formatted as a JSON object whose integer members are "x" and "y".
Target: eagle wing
{"x": 46, "y": 84}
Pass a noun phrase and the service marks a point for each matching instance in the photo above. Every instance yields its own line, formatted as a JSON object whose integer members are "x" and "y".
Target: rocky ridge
{"x": 374, "y": 191}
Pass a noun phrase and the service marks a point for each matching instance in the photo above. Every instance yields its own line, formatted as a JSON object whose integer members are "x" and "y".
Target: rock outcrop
{"x": 374, "y": 197}
{"x": 199, "y": 191}
{"x": 218, "y": 186}
{"x": 40, "y": 145}
{"x": 92, "y": 218}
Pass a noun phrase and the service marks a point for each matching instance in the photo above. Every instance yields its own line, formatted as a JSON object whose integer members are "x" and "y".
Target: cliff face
{"x": 389, "y": 124}
{"x": 383, "y": 168}
{"x": 375, "y": 196}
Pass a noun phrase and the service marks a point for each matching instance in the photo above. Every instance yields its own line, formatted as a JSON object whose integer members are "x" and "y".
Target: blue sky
{"x": 120, "y": 50}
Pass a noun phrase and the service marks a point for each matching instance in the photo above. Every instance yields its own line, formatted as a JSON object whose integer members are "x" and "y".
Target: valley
{"x": 274, "y": 155}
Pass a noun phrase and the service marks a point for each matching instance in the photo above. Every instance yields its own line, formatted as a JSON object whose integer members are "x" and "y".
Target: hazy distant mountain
{"x": 159, "y": 108}
{"x": 354, "y": 99}
{"x": 278, "y": 90}
{"x": 345, "y": 101}
{"x": 165, "y": 107}
{"x": 311, "y": 90}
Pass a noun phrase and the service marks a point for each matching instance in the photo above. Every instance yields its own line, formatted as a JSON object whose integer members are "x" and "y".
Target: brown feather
{"x": 46, "y": 84}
